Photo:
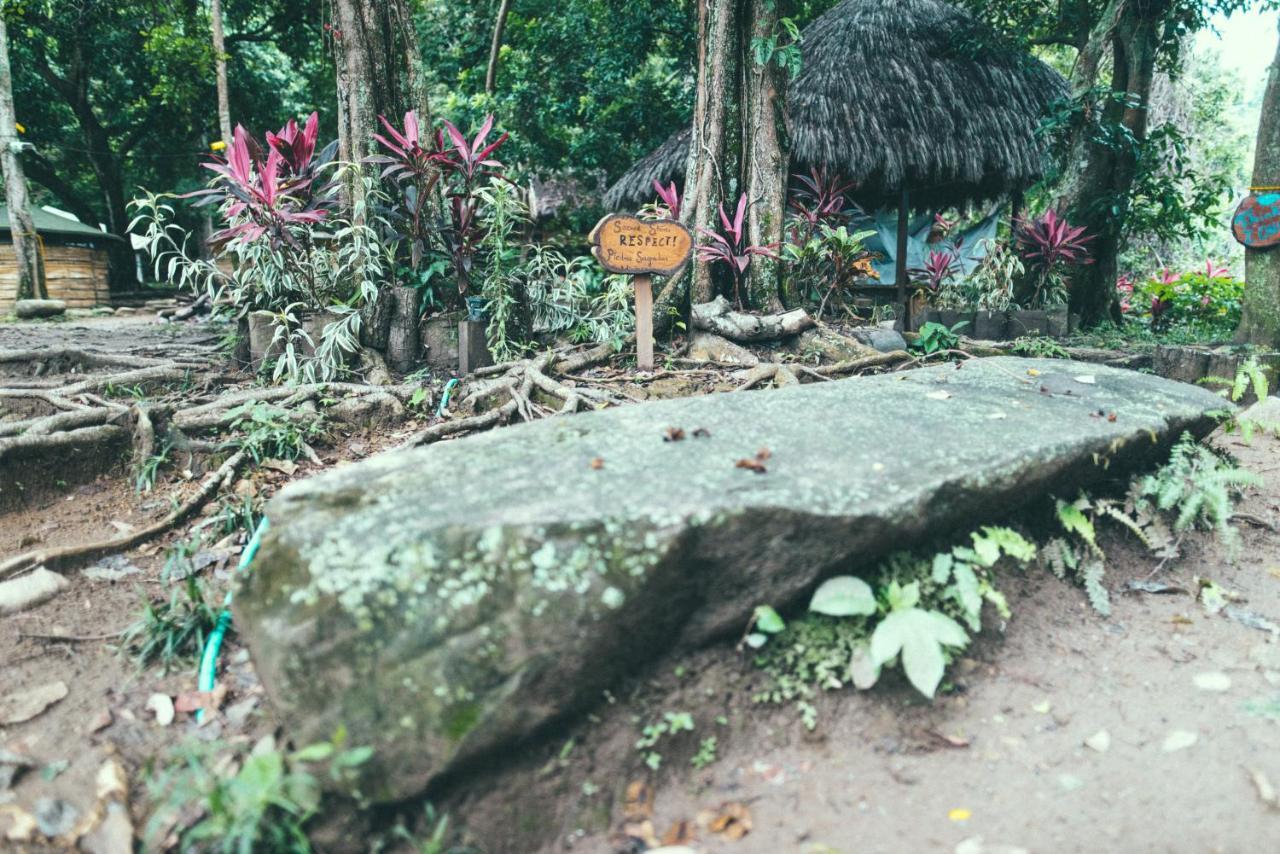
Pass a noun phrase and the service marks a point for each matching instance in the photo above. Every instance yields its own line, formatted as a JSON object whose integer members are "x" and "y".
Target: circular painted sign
{"x": 1256, "y": 223}
{"x": 628, "y": 244}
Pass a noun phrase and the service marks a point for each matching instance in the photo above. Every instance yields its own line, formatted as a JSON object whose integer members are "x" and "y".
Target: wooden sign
{"x": 637, "y": 247}
{"x": 640, "y": 248}
{"x": 1256, "y": 223}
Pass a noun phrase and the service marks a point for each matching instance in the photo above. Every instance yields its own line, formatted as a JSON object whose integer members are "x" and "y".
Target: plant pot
{"x": 951, "y": 319}
{"x": 477, "y": 308}
{"x": 440, "y": 340}
{"x": 1059, "y": 322}
{"x": 990, "y": 325}
{"x": 262, "y": 344}
{"x": 1028, "y": 323}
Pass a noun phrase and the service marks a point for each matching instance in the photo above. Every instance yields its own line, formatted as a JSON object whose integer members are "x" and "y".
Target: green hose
{"x": 208, "y": 673}
{"x": 444, "y": 398}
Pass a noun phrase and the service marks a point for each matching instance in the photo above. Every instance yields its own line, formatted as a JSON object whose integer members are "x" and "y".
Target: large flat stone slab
{"x": 445, "y": 603}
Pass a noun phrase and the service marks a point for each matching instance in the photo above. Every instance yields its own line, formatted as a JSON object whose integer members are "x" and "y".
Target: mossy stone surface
{"x": 444, "y": 604}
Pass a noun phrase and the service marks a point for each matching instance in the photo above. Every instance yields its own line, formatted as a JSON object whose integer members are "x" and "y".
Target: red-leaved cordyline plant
{"x": 266, "y": 196}
{"x": 1216, "y": 271}
{"x": 1048, "y": 244}
{"x": 731, "y": 249}
{"x": 461, "y": 163}
{"x": 820, "y": 196}
{"x": 939, "y": 268}
{"x": 670, "y": 199}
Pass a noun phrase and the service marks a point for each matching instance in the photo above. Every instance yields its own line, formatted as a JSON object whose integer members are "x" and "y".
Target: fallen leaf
{"x": 122, "y": 527}
{"x": 1043, "y": 707}
{"x": 1179, "y": 739}
{"x": 673, "y": 434}
{"x": 1099, "y": 741}
{"x": 639, "y": 802}
{"x": 162, "y": 705}
{"x": 730, "y": 821}
{"x": 24, "y": 705}
{"x": 960, "y": 814}
{"x": 1214, "y": 682}
{"x": 16, "y": 824}
{"x": 1087, "y": 379}
{"x": 948, "y": 740}
{"x": 597, "y": 463}
{"x": 111, "y": 781}
{"x": 642, "y": 830}
{"x": 1156, "y": 588}
{"x": 680, "y": 833}
{"x": 100, "y": 721}
{"x": 1251, "y": 619}
{"x": 288, "y": 467}
{"x": 939, "y": 395}
{"x": 701, "y": 433}
{"x": 191, "y": 702}
{"x": 1266, "y": 792}
{"x": 752, "y": 464}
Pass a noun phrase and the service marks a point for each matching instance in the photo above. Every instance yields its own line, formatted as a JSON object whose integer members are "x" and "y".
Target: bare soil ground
{"x": 998, "y": 764}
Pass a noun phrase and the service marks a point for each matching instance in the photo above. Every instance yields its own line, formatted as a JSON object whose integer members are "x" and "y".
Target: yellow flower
{"x": 217, "y": 145}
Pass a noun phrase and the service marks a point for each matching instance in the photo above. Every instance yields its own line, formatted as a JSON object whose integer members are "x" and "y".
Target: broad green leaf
{"x": 314, "y": 753}
{"x": 969, "y": 595}
{"x": 901, "y": 597}
{"x": 1011, "y": 543}
{"x": 862, "y": 670}
{"x": 768, "y": 620}
{"x": 843, "y": 596}
{"x": 755, "y": 640}
{"x": 942, "y": 563}
{"x": 919, "y": 636}
{"x": 987, "y": 549}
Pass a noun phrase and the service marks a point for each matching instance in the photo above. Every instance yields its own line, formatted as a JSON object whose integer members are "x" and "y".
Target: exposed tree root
{"x": 57, "y": 559}
{"x": 719, "y": 317}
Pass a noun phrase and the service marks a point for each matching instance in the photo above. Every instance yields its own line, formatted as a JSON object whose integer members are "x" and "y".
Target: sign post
{"x": 641, "y": 249}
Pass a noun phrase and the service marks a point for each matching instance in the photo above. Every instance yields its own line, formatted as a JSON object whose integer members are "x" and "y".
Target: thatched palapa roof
{"x": 900, "y": 93}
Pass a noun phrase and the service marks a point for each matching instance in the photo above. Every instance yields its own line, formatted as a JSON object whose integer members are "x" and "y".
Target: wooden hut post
{"x": 900, "y": 274}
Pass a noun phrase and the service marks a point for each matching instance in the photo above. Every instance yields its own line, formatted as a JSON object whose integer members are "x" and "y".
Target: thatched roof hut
{"x": 900, "y": 94}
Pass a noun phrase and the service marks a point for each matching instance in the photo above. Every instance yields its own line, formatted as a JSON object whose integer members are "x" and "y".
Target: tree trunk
{"x": 220, "y": 71}
{"x": 715, "y": 154}
{"x": 31, "y": 284}
{"x": 1260, "y": 323}
{"x": 404, "y": 341}
{"x": 765, "y": 159}
{"x": 1097, "y": 192}
{"x": 378, "y": 70}
{"x": 495, "y": 47}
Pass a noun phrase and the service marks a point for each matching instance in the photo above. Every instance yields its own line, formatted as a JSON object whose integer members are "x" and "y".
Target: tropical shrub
{"x": 730, "y": 248}
{"x": 1206, "y": 301}
{"x": 1049, "y": 247}
{"x": 827, "y": 262}
{"x": 287, "y": 251}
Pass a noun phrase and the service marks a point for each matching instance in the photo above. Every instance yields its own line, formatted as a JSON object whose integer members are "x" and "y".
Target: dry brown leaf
{"x": 642, "y": 830}
{"x": 701, "y": 433}
{"x": 597, "y": 463}
{"x": 730, "y": 821}
{"x": 191, "y": 702}
{"x": 673, "y": 434}
{"x": 639, "y": 802}
{"x": 680, "y": 833}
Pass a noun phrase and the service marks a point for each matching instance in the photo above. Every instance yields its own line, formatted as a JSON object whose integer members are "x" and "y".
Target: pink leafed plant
{"x": 730, "y": 249}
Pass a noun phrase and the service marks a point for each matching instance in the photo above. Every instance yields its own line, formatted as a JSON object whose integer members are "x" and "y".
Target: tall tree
{"x": 379, "y": 70}
{"x": 495, "y": 46}
{"x": 739, "y": 136}
{"x": 26, "y": 247}
{"x": 220, "y": 70}
{"x": 1260, "y": 323}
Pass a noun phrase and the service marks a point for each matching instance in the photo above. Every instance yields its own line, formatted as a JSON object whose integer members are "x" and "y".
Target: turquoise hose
{"x": 208, "y": 673}
{"x": 444, "y": 398}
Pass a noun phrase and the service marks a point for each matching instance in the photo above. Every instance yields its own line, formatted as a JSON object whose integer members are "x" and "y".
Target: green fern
{"x": 1091, "y": 575}
{"x": 1198, "y": 488}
